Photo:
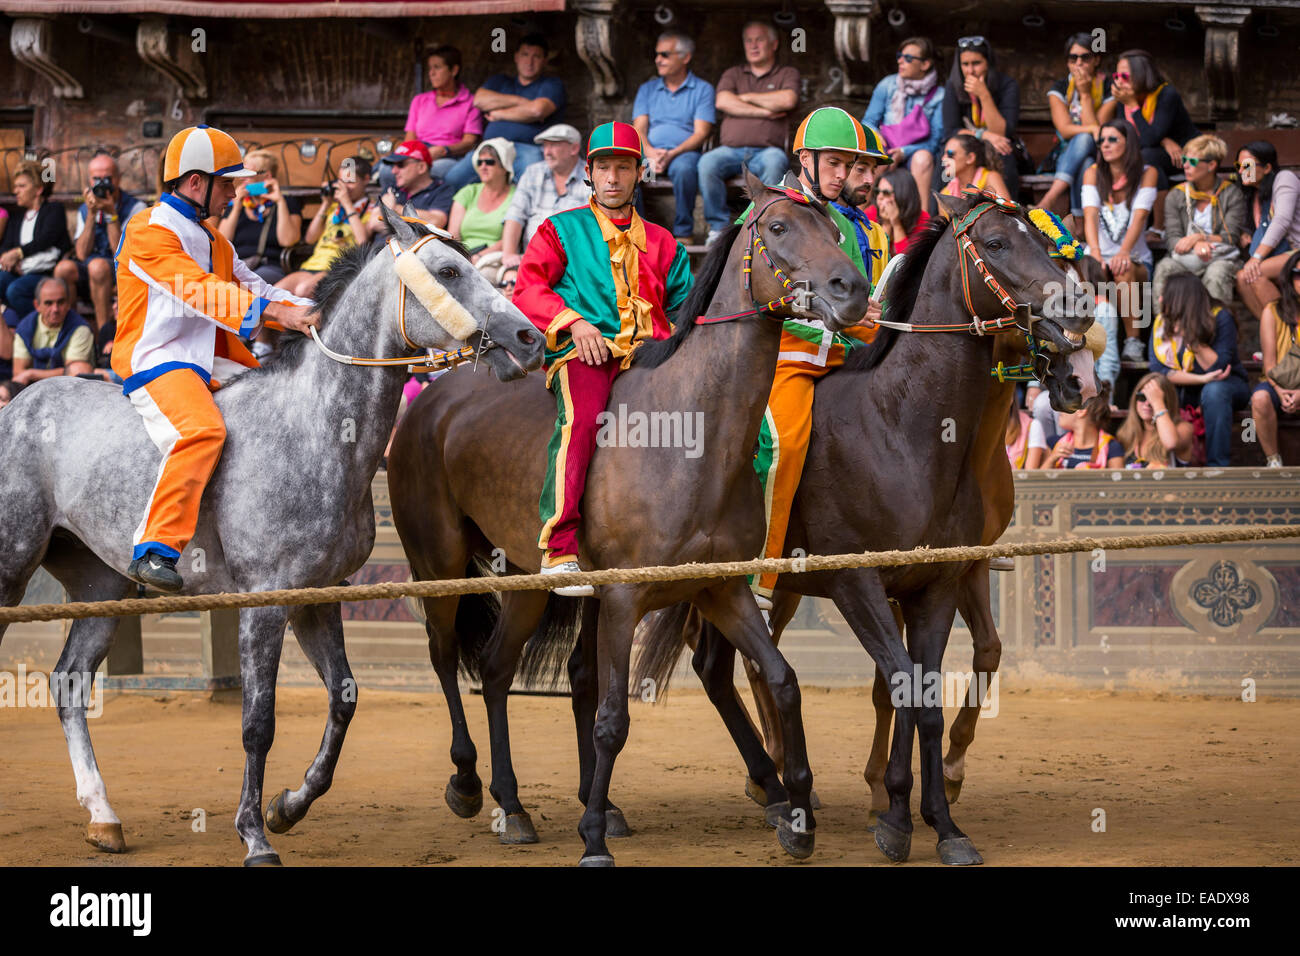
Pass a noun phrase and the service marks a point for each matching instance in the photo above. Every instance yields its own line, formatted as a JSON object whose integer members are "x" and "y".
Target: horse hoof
{"x": 106, "y": 836}
{"x": 774, "y": 813}
{"x": 461, "y": 804}
{"x": 959, "y": 851}
{"x": 951, "y": 789}
{"x": 519, "y": 830}
{"x": 616, "y": 824}
{"x": 755, "y": 792}
{"x": 893, "y": 842}
{"x": 798, "y": 845}
{"x": 263, "y": 859}
{"x": 277, "y": 821}
{"x": 603, "y": 859}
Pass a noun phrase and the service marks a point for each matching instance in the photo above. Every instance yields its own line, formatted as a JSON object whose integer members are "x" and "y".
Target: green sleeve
{"x": 678, "y": 284}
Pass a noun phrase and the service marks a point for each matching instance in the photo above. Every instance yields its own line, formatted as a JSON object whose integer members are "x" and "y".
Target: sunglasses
{"x": 965, "y": 43}
{"x": 1112, "y": 139}
{"x": 1193, "y": 162}
{"x": 885, "y": 192}
{"x": 1295, "y": 274}
{"x": 486, "y": 162}
{"x": 664, "y": 54}
{"x": 1242, "y": 167}
{"x": 909, "y": 57}
{"x": 1078, "y": 57}
{"x": 1124, "y": 77}
{"x": 1142, "y": 399}
{"x": 950, "y": 153}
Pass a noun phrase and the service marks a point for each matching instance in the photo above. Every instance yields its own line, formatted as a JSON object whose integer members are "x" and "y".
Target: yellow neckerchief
{"x": 979, "y": 182}
{"x": 976, "y": 114}
{"x": 1163, "y": 346}
{"x": 1285, "y": 336}
{"x": 1096, "y": 91}
{"x": 635, "y": 314}
{"x": 1149, "y": 104}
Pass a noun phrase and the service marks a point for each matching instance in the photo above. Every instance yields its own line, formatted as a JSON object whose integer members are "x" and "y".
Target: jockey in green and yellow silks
{"x": 837, "y": 159}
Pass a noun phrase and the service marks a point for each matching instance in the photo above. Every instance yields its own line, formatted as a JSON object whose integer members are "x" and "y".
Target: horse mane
{"x": 903, "y": 290}
{"x": 341, "y": 273}
{"x": 655, "y": 353}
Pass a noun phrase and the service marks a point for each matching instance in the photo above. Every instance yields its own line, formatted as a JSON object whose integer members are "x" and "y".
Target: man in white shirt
{"x": 555, "y": 184}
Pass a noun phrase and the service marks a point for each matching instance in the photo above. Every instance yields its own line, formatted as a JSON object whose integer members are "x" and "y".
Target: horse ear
{"x": 753, "y": 185}
{"x": 399, "y": 227}
{"x": 951, "y": 206}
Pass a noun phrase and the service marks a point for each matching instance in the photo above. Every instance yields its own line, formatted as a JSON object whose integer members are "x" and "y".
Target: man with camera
{"x": 430, "y": 197}
{"x": 100, "y": 222}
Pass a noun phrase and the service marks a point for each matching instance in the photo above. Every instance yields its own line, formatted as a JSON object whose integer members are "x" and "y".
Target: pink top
{"x": 444, "y": 125}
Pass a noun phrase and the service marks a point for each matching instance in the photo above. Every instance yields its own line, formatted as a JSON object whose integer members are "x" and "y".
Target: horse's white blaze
{"x": 435, "y": 298}
{"x": 1021, "y": 226}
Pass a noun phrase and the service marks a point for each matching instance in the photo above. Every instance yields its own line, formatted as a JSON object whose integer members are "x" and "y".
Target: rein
{"x": 432, "y": 361}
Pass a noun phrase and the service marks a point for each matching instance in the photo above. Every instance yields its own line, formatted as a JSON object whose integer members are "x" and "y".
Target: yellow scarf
{"x": 976, "y": 114}
{"x": 635, "y": 314}
{"x": 1195, "y": 195}
{"x": 1096, "y": 92}
{"x": 1285, "y": 337}
{"x": 1149, "y": 104}
{"x": 1163, "y": 345}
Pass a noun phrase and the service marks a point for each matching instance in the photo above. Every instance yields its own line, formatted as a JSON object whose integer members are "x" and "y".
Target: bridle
{"x": 756, "y": 244}
{"x": 1016, "y": 311}
{"x": 432, "y": 361}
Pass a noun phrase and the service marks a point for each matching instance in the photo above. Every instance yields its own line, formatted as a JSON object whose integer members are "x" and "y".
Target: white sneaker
{"x": 1133, "y": 350}
{"x": 572, "y": 590}
{"x": 1275, "y": 461}
{"x": 764, "y": 603}
{"x": 1003, "y": 563}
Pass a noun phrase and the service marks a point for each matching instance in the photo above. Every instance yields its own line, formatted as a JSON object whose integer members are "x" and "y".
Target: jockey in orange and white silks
{"x": 184, "y": 301}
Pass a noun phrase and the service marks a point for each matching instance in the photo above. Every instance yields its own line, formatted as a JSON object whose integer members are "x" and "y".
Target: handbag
{"x": 912, "y": 128}
{"x": 1286, "y": 373}
{"x": 255, "y": 261}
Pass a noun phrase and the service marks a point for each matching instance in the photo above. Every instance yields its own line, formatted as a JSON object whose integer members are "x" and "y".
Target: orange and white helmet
{"x": 203, "y": 149}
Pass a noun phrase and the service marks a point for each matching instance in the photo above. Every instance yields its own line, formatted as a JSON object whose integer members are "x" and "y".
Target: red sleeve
{"x": 542, "y": 266}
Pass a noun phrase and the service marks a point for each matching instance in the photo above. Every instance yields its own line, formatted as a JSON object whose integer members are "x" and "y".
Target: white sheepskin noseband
{"x": 431, "y": 293}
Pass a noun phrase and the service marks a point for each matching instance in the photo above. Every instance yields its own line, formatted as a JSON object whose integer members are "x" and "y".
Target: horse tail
{"x": 547, "y": 652}
{"x": 662, "y": 636}
{"x": 476, "y": 619}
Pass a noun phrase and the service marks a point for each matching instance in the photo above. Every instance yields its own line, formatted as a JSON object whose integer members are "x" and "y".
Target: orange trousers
{"x": 185, "y": 425}
{"x": 783, "y": 447}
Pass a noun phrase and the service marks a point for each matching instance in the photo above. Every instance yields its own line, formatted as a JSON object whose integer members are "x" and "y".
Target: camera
{"x": 102, "y": 187}
{"x": 327, "y": 191}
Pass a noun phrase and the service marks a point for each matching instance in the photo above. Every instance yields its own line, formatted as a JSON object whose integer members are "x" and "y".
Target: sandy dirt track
{"x": 1182, "y": 780}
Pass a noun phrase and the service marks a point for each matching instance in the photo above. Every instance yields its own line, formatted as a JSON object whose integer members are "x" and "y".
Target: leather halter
{"x": 433, "y": 361}
{"x": 756, "y": 244}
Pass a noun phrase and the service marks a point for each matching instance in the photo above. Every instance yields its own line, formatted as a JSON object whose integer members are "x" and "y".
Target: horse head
{"x": 1006, "y": 269}
{"x": 792, "y": 251}
{"x": 446, "y": 303}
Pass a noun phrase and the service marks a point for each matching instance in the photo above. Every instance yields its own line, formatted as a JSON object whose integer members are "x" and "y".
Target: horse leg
{"x": 973, "y": 603}
{"x": 874, "y": 773}
{"x": 860, "y": 596}
{"x": 464, "y": 793}
{"x": 582, "y": 686}
{"x": 730, "y": 605}
{"x": 319, "y": 630}
{"x": 261, "y": 638}
{"x": 619, "y": 613}
{"x": 714, "y": 661}
{"x": 520, "y": 613}
{"x": 784, "y": 604}
{"x": 929, "y": 621}
{"x": 85, "y": 578}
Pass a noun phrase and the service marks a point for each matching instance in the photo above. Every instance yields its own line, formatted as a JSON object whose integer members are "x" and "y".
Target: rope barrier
{"x": 673, "y": 572}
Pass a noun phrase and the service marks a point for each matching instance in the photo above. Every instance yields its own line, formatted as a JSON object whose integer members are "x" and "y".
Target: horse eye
{"x": 778, "y": 228}
{"x": 448, "y": 272}
{"x": 994, "y": 245}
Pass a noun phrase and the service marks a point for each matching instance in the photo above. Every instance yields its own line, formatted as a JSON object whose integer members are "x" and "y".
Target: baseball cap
{"x": 411, "y": 149}
{"x": 559, "y": 133}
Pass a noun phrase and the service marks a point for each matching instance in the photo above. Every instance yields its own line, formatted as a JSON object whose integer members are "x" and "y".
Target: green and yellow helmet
{"x": 829, "y": 127}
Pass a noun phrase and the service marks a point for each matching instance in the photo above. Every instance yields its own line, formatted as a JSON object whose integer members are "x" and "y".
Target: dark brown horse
{"x": 468, "y": 463}
{"x": 905, "y": 415}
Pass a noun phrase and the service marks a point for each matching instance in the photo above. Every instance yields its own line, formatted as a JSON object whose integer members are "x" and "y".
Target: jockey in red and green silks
{"x": 598, "y": 281}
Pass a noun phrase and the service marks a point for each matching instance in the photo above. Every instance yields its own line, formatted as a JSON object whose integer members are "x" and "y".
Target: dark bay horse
{"x": 900, "y": 424}
{"x": 469, "y": 459}
{"x": 288, "y": 505}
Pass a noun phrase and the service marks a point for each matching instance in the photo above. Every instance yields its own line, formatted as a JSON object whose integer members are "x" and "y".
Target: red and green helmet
{"x": 830, "y": 127}
{"x": 615, "y": 139}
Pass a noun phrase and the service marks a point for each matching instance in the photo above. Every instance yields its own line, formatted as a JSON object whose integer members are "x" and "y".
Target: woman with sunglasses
{"x": 985, "y": 103}
{"x": 1155, "y": 109}
{"x": 966, "y": 163}
{"x": 907, "y": 108}
{"x": 1194, "y": 344}
{"x": 1203, "y": 220}
{"x": 1080, "y": 103}
{"x": 1277, "y": 337}
{"x": 1273, "y": 208}
{"x": 1154, "y": 434}
{"x": 261, "y": 221}
{"x": 898, "y": 209}
{"x": 1118, "y": 194}
{"x": 478, "y": 211}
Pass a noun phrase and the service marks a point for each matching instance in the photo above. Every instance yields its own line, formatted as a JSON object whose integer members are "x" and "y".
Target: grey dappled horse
{"x": 288, "y": 506}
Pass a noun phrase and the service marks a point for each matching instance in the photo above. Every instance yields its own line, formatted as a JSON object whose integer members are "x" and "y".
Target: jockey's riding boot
{"x": 763, "y": 601}
{"x": 156, "y": 571}
{"x": 572, "y": 590}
